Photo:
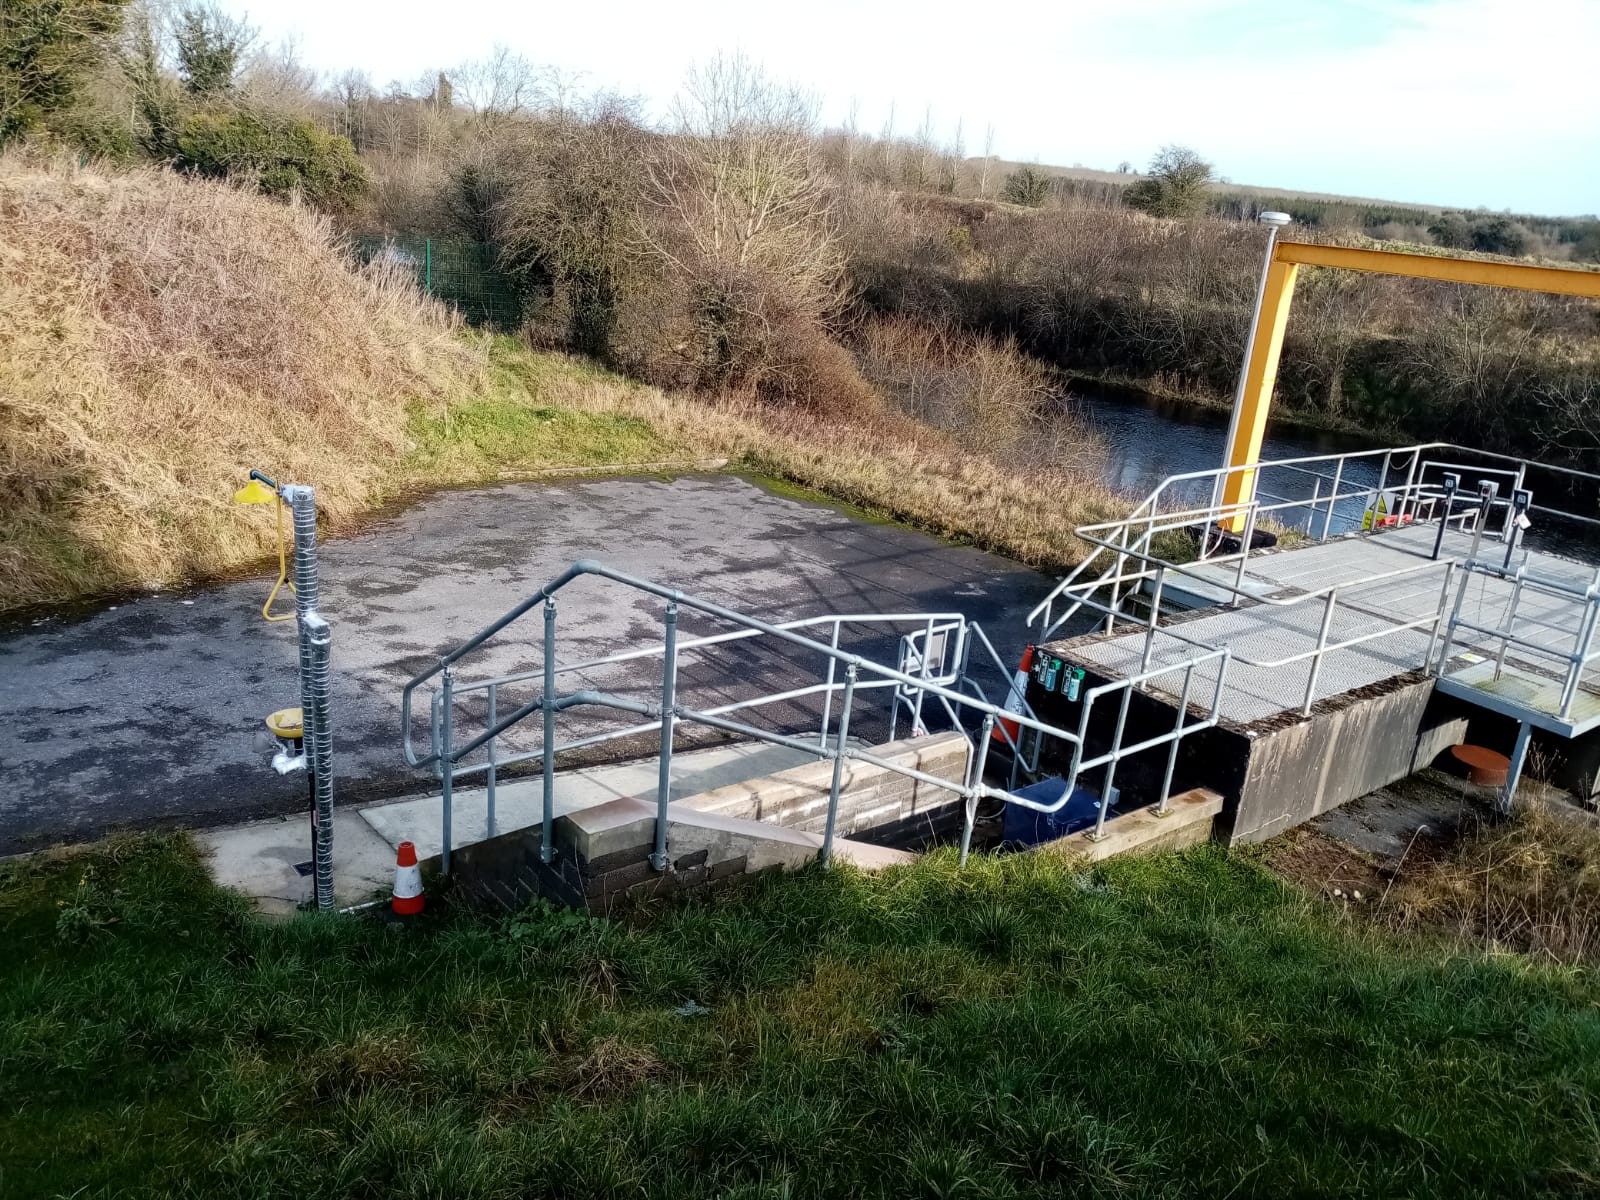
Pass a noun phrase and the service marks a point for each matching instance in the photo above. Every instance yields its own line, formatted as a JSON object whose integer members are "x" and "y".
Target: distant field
{"x": 1088, "y": 174}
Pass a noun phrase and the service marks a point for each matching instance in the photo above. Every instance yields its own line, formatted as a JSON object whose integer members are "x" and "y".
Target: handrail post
{"x": 1116, "y": 586}
{"x": 1455, "y": 616}
{"x": 1177, "y": 738}
{"x": 927, "y": 659}
{"x": 446, "y": 762}
{"x": 827, "y": 693}
{"x": 1581, "y": 646}
{"x": 1155, "y": 616}
{"x": 1405, "y": 493}
{"x": 1438, "y": 616}
{"x": 1108, "y": 789}
{"x": 490, "y": 781}
{"x": 1248, "y": 536}
{"x": 1322, "y": 645}
{"x": 838, "y": 763}
{"x": 970, "y": 809}
{"x": 669, "y": 704}
{"x": 1508, "y": 625}
{"x": 547, "y": 850}
{"x": 1338, "y": 478}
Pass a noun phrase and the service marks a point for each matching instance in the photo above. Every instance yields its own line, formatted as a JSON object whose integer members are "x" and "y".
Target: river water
{"x": 1146, "y": 440}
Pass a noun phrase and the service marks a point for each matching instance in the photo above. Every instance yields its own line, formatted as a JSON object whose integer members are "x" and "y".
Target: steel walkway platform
{"x": 1373, "y": 603}
{"x": 1419, "y": 567}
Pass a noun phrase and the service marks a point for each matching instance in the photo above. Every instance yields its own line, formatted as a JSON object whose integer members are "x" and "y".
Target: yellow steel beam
{"x": 1287, "y": 258}
{"x": 1260, "y": 374}
{"x": 1562, "y": 281}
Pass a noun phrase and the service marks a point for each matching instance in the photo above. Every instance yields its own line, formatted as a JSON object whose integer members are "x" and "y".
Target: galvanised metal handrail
{"x": 934, "y": 623}
{"x": 1416, "y": 496}
{"x": 1404, "y": 473}
{"x": 445, "y": 754}
{"x": 1576, "y": 660}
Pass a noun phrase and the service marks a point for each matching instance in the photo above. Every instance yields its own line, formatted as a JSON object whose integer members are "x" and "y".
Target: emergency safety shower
{"x": 303, "y": 736}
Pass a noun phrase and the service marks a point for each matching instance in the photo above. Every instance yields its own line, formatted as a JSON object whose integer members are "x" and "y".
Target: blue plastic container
{"x": 1023, "y": 826}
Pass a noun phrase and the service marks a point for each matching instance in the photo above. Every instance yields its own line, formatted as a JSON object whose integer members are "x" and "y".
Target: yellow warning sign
{"x": 1375, "y": 514}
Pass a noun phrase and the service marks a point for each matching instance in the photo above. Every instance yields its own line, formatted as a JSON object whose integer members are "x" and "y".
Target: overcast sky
{"x": 1457, "y": 102}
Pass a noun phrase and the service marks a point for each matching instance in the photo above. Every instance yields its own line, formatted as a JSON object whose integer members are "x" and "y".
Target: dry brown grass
{"x": 1529, "y": 884}
{"x": 989, "y": 395}
{"x": 889, "y": 463}
{"x": 159, "y": 337}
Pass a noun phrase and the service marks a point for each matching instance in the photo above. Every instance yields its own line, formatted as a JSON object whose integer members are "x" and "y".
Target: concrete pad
{"x": 520, "y": 804}
{"x": 90, "y": 695}
{"x": 259, "y": 859}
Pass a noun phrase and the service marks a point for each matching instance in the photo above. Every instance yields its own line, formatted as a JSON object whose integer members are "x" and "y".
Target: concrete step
{"x": 870, "y": 796}
{"x": 519, "y": 802}
{"x": 624, "y": 827}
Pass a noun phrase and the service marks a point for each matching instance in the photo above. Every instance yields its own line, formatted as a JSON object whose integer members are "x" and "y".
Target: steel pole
{"x": 970, "y": 816}
{"x": 447, "y": 761}
{"x": 315, "y": 641}
{"x": 547, "y": 851}
{"x": 669, "y": 702}
{"x": 838, "y": 763}
{"x": 1244, "y": 370}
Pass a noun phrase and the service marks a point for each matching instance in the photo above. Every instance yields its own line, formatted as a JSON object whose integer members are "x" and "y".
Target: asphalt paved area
{"x": 145, "y": 714}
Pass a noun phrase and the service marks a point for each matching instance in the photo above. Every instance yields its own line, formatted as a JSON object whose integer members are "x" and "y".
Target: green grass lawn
{"x": 1183, "y": 1025}
{"x": 509, "y": 430}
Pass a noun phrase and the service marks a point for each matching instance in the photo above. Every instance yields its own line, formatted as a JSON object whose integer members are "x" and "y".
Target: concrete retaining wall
{"x": 1277, "y": 773}
{"x": 1339, "y": 753}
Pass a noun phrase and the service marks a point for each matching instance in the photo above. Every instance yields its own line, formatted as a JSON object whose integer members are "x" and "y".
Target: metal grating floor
{"x": 1269, "y": 633}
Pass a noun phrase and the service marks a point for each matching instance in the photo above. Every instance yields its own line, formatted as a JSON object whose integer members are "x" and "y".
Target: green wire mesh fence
{"x": 459, "y": 272}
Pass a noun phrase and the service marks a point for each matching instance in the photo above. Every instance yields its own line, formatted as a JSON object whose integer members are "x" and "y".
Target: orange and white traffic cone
{"x": 1009, "y": 731}
{"x": 407, "y": 881}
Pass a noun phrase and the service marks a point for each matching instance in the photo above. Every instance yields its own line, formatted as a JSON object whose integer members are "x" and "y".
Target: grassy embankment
{"x": 159, "y": 336}
{"x": 1182, "y": 1025}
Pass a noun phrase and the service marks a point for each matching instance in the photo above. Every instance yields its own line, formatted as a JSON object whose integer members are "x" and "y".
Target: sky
{"x": 1464, "y": 103}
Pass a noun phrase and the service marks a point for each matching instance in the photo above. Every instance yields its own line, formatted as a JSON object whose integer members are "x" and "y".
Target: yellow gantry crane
{"x": 1283, "y": 262}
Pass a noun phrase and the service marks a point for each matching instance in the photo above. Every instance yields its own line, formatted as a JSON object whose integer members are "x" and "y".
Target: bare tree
{"x": 950, "y": 162}
{"x": 352, "y": 96}
{"x": 276, "y": 78}
{"x": 499, "y": 87}
{"x": 988, "y": 161}
{"x": 742, "y": 211}
{"x": 916, "y": 166}
{"x": 852, "y": 134}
